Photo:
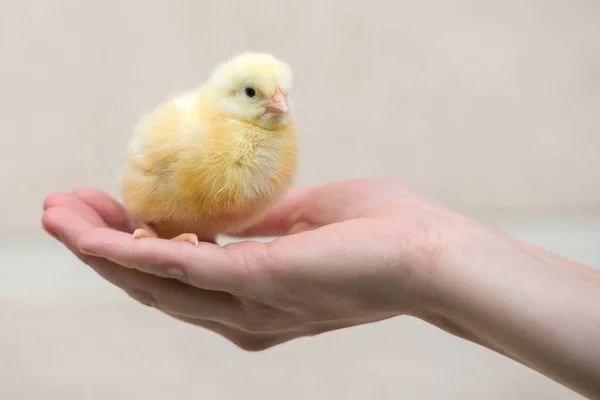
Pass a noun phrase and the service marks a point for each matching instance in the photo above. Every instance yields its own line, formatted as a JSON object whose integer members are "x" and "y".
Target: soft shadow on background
{"x": 490, "y": 107}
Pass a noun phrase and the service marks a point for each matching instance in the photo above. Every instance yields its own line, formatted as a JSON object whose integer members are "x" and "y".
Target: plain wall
{"x": 478, "y": 103}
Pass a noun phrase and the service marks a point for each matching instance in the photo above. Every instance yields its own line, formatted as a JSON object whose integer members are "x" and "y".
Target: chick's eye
{"x": 250, "y": 92}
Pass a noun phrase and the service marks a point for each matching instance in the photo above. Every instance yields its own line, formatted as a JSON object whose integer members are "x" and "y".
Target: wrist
{"x": 520, "y": 301}
{"x": 461, "y": 274}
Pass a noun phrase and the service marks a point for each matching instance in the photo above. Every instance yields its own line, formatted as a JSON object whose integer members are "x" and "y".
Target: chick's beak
{"x": 277, "y": 104}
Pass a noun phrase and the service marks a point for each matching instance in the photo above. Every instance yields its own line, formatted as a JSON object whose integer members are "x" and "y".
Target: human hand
{"x": 349, "y": 253}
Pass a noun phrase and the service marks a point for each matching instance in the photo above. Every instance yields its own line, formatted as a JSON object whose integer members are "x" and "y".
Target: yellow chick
{"x": 213, "y": 160}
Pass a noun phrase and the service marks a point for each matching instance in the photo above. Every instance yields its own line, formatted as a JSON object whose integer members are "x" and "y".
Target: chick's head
{"x": 253, "y": 87}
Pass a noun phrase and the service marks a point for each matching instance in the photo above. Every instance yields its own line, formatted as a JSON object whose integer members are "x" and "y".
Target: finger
{"x": 70, "y": 202}
{"x": 115, "y": 215}
{"x": 68, "y": 224}
{"x": 281, "y": 219}
{"x": 207, "y": 266}
{"x": 169, "y": 295}
{"x": 165, "y": 294}
{"x": 310, "y": 254}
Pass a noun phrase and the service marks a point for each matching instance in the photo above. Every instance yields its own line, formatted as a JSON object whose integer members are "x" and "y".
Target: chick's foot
{"x": 187, "y": 237}
{"x": 143, "y": 233}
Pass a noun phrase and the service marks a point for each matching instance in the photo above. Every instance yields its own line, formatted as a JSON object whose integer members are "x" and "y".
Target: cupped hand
{"x": 347, "y": 253}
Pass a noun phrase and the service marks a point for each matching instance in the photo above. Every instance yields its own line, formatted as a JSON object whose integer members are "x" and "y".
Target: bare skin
{"x": 350, "y": 253}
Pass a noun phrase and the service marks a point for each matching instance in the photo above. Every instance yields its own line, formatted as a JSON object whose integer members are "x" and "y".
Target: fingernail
{"x": 88, "y": 252}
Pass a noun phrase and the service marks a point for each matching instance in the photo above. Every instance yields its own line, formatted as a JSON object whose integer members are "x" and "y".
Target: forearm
{"x": 534, "y": 307}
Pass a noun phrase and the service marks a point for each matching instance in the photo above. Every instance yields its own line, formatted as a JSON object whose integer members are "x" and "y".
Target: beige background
{"x": 479, "y": 103}
{"x": 482, "y": 104}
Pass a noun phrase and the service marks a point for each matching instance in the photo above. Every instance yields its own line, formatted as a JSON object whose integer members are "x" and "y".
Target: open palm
{"x": 342, "y": 253}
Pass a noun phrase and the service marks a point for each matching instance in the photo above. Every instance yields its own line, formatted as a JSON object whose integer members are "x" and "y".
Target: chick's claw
{"x": 187, "y": 237}
{"x": 143, "y": 233}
